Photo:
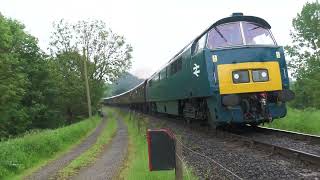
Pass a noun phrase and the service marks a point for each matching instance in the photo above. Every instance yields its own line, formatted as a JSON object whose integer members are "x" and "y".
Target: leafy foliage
{"x": 17, "y": 51}
{"x": 108, "y": 53}
{"x": 305, "y": 56}
{"x": 107, "y": 57}
{"x": 47, "y": 91}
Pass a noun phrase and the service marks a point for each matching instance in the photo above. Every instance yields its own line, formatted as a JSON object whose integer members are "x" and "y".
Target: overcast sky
{"x": 156, "y": 29}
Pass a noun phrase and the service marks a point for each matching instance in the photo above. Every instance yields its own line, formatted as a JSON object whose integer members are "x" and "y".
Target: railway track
{"x": 295, "y": 135}
{"x": 291, "y": 145}
{"x": 297, "y": 149}
{"x": 255, "y": 154}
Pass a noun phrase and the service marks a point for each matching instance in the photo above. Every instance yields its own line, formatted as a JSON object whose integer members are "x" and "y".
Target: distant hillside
{"x": 124, "y": 83}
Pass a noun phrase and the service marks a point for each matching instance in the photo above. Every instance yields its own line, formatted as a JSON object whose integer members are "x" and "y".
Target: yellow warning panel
{"x": 227, "y": 86}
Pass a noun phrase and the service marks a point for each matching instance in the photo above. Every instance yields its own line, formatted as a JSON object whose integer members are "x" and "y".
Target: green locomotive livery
{"x": 232, "y": 73}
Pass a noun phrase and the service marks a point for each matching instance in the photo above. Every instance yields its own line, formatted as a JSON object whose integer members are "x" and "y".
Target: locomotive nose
{"x": 249, "y": 77}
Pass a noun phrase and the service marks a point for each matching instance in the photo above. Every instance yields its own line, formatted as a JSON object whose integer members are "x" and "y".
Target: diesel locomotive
{"x": 232, "y": 73}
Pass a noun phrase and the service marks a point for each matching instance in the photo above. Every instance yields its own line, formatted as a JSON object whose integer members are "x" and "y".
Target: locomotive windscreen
{"x": 239, "y": 33}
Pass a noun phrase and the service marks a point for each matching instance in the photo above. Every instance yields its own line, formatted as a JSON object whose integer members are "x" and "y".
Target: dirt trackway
{"x": 108, "y": 164}
{"x": 50, "y": 170}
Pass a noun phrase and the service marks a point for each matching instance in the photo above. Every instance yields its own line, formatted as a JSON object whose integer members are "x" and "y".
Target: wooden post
{"x": 178, "y": 169}
{"x": 138, "y": 119}
{"x": 86, "y": 81}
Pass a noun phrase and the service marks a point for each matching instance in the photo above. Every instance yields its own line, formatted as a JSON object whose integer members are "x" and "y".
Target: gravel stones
{"x": 243, "y": 161}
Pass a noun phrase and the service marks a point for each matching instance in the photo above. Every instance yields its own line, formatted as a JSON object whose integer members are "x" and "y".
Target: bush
{"x": 304, "y": 121}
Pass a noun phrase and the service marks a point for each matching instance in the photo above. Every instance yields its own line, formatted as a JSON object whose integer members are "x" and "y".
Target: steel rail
{"x": 295, "y": 135}
{"x": 307, "y": 158}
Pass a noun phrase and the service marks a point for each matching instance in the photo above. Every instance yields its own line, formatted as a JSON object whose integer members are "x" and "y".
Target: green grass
{"x": 92, "y": 153}
{"x": 137, "y": 165}
{"x": 304, "y": 121}
{"x": 20, "y": 155}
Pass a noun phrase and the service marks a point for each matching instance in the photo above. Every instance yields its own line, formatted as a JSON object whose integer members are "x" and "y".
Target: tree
{"x": 67, "y": 69}
{"x": 41, "y": 91}
{"x": 24, "y": 81}
{"x": 107, "y": 53}
{"x": 305, "y": 56}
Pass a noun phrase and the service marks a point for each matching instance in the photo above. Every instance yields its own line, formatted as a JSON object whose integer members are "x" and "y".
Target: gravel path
{"x": 109, "y": 164}
{"x": 50, "y": 170}
{"x": 245, "y": 162}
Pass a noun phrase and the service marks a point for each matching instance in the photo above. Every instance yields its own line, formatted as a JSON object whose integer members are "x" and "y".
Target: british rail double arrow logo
{"x": 196, "y": 70}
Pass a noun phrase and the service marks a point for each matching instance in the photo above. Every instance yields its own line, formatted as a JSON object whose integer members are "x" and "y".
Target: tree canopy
{"x": 108, "y": 53}
{"x": 305, "y": 56}
{"x": 41, "y": 90}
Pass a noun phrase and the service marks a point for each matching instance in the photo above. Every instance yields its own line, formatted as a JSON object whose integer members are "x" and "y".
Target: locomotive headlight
{"x": 241, "y": 76}
{"x": 260, "y": 75}
{"x": 264, "y": 74}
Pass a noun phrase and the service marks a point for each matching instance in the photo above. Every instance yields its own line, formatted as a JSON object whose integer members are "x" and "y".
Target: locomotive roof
{"x": 236, "y": 18}
{"x": 233, "y": 18}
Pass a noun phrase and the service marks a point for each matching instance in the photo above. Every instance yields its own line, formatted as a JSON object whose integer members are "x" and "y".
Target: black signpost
{"x": 163, "y": 151}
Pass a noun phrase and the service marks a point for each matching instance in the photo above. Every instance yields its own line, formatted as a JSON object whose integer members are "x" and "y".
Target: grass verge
{"x": 304, "y": 121}
{"x": 92, "y": 153}
{"x": 19, "y": 155}
{"x": 136, "y": 167}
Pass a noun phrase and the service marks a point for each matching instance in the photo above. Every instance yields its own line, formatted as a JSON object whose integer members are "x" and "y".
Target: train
{"x": 233, "y": 73}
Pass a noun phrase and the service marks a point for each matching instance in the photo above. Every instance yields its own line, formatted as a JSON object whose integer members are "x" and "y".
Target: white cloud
{"x": 156, "y": 29}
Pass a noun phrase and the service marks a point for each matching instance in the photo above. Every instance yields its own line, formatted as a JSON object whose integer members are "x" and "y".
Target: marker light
{"x": 241, "y": 76}
{"x": 260, "y": 75}
{"x": 264, "y": 74}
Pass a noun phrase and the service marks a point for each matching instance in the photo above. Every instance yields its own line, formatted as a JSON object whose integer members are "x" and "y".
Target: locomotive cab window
{"x": 225, "y": 35}
{"x": 239, "y": 33}
{"x": 257, "y": 35}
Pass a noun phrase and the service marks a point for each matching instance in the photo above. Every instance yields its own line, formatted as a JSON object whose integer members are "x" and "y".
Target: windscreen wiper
{"x": 257, "y": 27}
{"x": 215, "y": 28}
